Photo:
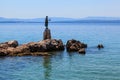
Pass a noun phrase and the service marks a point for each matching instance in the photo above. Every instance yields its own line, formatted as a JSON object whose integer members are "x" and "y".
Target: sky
{"x": 59, "y": 8}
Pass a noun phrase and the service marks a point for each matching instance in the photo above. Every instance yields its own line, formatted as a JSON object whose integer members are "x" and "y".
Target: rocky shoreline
{"x": 74, "y": 45}
{"x": 12, "y": 48}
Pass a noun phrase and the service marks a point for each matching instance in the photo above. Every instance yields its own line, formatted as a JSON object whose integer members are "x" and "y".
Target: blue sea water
{"x": 96, "y": 64}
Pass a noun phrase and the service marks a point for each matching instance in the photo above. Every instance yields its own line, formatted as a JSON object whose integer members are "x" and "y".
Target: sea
{"x": 96, "y": 64}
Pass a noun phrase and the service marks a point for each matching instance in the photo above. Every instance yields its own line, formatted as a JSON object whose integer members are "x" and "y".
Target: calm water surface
{"x": 96, "y": 64}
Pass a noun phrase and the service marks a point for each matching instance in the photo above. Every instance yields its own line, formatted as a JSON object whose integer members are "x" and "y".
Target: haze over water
{"x": 96, "y": 64}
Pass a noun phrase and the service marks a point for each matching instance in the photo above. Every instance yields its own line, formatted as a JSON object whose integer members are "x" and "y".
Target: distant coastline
{"x": 63, "y": 20}
{"x": 82, "y": 21}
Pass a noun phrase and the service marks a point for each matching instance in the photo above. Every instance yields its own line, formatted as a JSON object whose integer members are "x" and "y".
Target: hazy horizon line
{"x": 62, "y": 17}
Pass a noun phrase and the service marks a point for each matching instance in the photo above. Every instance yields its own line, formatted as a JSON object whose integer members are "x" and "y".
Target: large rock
{"x": 46, "y": 45}
{"x": 7, "y": 47}
{"x": 100, "y": 46}
{"x": 3, "y": 52}
{"x": 3, "y": 46}
{"x": 82, "y": 51}
{"x": 12, "y": 43}
{"x": 11, "y": 48}
{"x": 74, "y": 45}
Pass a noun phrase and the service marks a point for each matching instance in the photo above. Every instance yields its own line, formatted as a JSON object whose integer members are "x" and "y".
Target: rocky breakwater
{"x": 74, "y": 45}
{"x": 12, "y": 48}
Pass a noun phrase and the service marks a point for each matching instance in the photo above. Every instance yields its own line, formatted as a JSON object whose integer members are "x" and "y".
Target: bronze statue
{"x": 46, "y": 22}
{"x": 47, "y": 33}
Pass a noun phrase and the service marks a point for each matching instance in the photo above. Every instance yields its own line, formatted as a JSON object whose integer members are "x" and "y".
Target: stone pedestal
{"x": 47, "y": 34}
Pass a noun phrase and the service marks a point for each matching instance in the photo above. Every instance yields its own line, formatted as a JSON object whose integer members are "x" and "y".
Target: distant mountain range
{"x": 63, "y": 20}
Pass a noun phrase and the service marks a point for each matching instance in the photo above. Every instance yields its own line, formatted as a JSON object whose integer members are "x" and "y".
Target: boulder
{"x": 7, "y": 47}
{"x": 11, "y": 48}
{"x": 3, "y": 52}
{"x": 3, "y": 46}
{"x": 46, "y": 45}
{"x": 74, "y": 45}
{"x": 18, "y": 50}
{"x": 34, "y": 46}
{"x": 12, "y": 43}
{"x": 100, "y": 46}
{"x": 82, "y": 51}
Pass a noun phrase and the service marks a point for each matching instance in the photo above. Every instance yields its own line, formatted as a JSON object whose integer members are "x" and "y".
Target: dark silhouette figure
{"x": 47, "y": 33}
{"x": 46, "y": 22}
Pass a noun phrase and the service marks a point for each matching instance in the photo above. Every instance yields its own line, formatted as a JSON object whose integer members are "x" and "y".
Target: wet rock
{"x": 23, "y": 49}
{"x": 7, "y": 47}
{"x": 82, "y": 51}
{"x": 3, "y": 52}
{"x": 100, "y": 46}
{"x": 74, "y": 45}
{"x": 11, "y": 48}
{"x": 46, "y": 45}
{"x": 12, "y": 43}
{"x": 34, "y": 47}
{"x": 41, "y": 54}
{"x": 3, "y": 46}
